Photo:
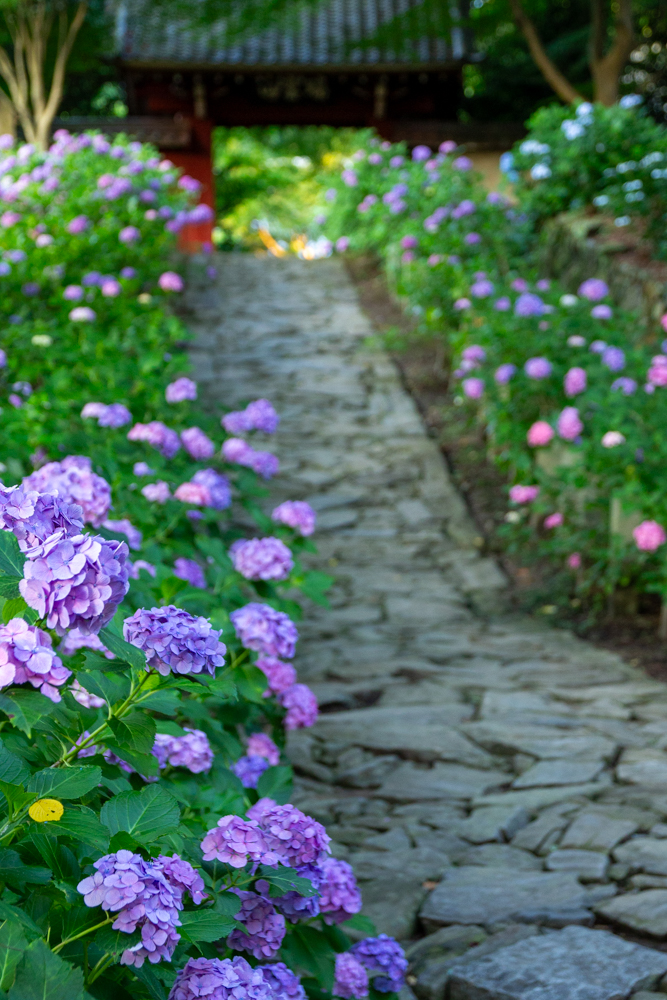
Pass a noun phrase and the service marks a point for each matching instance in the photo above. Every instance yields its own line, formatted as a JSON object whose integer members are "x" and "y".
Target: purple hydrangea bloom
{"x": 284, "y": 984}
{"x": 280, "y": 675}
{"x": 351, "y": 980}
{"x": 169, "y": 281}
{"x": 236, "y": 841}
{"x": 192, "y": 751}
{"x": 295, "y": 839}
{"x": 257, "y": 416}
{"x": 158, "y": 435}
{"x": 34, "y": 516}
{"x": 73, "y": 481}
{"x": 218, "y": 487}
{"x": 156, "y": 492}
{"x": 249, "y": 770}
{"x": 502, "y": 304}
{"x": 125, "y": 527}
{"x": 73, "y": 293}
{"x": 180, "y": 390}
{"x": 340, "y": 897}
{"x": 265, "y": 927}
{"x": 224, "y": 979}
{"x": 264, "y": 464}
{"x": 481, "y": 289}
{"x": 385, "y": 956}
{"x": 144, "y": 894}
{"x": 602, "y": 311}
{"x": 175, "y": 640}
{"x": 129, "y": 234}
{"x": 261, "y": 558}
{"x": 84, "y": 697}
{"x": 115, "y": 415}
{"x": 27, "y": 656}
{"x": 236, "y": 422}
{"x": 613, "y": 358}
{"x": 75, "y": 582}
{"x": 301, "y": 705}
{"x": 142, "y": 469}
{"x": 237, "y": 450}
{"x": 296, "y": 514}
{"x": 262, "y": 628}
{"x": 593, "y": 289}
{"x": 529, "y": 304}
{"x": 537, "y": 368}
{"x": 295, "y": 907}
{"x": 197, "y": 444}
{"x": 140, "y": 564}
{"x": 575, "y": 381}
{"x": 188, "y": 569}
{"x": 504, "y": 373}
{"x": 73, "y": 640}
{"x": 261, "y": 745}
{"x": 626, "y": 385}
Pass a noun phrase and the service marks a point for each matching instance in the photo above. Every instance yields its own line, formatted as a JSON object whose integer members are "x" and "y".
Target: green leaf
{"x": 81, "y": 824}
{"x": 275, "y": 783}
{"x": 114, "y": 641}
{"x": 284, "y": 880}
{"x": 135, "y": 731}
{"x": 250, "y": 682}
{"x": 145, "y": 815}
{"x": 65, "y": 782}
{"x": 168, "y": 728}
{"x": 360, "y": 923}
{"x": 15, "y": 795}
{"x": 150, "y": 981}
{"x": 95, "y": 661}
{"x": 13, "y": 770}
{"x": 9, "y": 912}
{"x": 205, "y": 925}
{"x": 145, "y": 764}
{"x": 11, "y": 557}
{"x": 227, "y": 904}
{"x": 115, "y": 942}
{"x": 306, "y": 949}
{"x": 25, "y": 708}
{"x": 13, "y": 943}
{"x": 315, "y": 584}
{"x": 9, "y": 587}
{"x": 13, "y": 871}
{"x": 41, "y": 975}
{"x": 112, "y": 687}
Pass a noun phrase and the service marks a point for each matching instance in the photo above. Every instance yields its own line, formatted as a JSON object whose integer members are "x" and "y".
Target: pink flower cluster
{"x": 27, "y": 656}
{"x": 158, "y": 435}
{"x": 261, "y": 558}
{"x": 296, "y": 514}
{"x": 262, "y": 462}
{"x": 262, "y": 628}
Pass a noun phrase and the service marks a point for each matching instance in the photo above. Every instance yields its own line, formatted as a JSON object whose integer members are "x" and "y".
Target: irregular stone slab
{"x": 420, "y": 863}
{"x": 539, "y": 741}
{"x": 646, "y": 854}
{"x": 558, "y": 772}
{"x": 453, "y": 940}
{"x": 642, "y": 911}
{"x": 643, "y": 767}
{"x": 533, "y": 799}
{"x": 500, "y": 856}
{"x": 589, "y": 866}
{"x": 552, "y": 821}
{"x": 392, "y": 903}
{"x": 409, "y": 783}
{"x": 497, "y": 823}
{"x": 394, "y": 840}
{"x": 572, "y": 964}
{"x": 434, "y": 972}
{"x": 595, "y": 831}
{"x": 411, "y": 730}
{"x": 486, "y": 896}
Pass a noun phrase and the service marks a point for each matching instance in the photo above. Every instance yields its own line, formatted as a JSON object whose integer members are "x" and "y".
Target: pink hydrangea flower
{"x": 157, "y": 492}
{"x": 301, "y": 705}
{"x": 553, "y": 520}
{"x": 261, "y": 558}
{"x": 129, "y": 234}
{"x": 197, "y": 444}
{"x": 593, "y": 289}
{"x": 169, "y": 281}
{"x": 261, "y": 745}
{"x": 649, "y": 536}
{"x": 183, "y": 388}
{"x": 158, "y": 435}
{"x": 296, "y": 514}
{"x": 280, "y": 675}
{"x": 569, "y": 424}
{"x": 612, "y": 439}
{"x": 194, "y": 493}
{"x": 539, "y": 434}
{"x": 574, "y": 382}
{"x": 574, "y": 560}
{"x": 537, "y": 368}
{"x": 27, "y": 655}
{"x": 523, "y": 494}
{"x": 473, "y": 388}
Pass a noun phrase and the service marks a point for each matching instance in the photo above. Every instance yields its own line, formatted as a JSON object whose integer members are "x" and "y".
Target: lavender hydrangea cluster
{"x": 265, "y": 928}
{"x": 27, "y": 656}
{"x": 294, "y": 906}
{"x": 218, "y": 486}
{"x": 301, "y": 705}
{"x": 296, "y": 839}
{"x": 351, "y": 978}
{"x": 261, "y": 558}
{"x": 192, "y": 751}
{"x": 158, "y": 436}
{"x": 197, "y": 444}
{"x": 249, "y": 770}
{"x": 262, "y": 462}
{"x": 74, "y": 482}
{"x": 383, "y": 958}
{"x": 145, "y": 894}
{"x": 191, "y": 571}
{"x": 340, "y": 897}
{"x": 75, "y": 582}
{"x": 224, "y": 979}
{"x": 280, "y": 675}
{"x": 296, "y": 514}
{"x": 174, "y": 640}
{"x": 257, "y": 416}
{"x": 285, "y": 984}
{"x": 113, "y": 415}
{"x": 235, "y": 842}
{"x": 33, "y": 516}
{"x": 261, "y": 745}
{"x": 180, "y": 390}
{"x": 262, "y": 628}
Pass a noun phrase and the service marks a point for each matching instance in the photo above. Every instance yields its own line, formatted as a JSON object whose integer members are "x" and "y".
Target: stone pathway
{"x": 499, "y": 787}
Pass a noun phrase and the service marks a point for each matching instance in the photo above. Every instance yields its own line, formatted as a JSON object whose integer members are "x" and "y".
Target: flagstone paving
{"x": 499, "y": 787}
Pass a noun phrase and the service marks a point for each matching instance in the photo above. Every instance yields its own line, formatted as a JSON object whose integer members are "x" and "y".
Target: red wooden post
{"x": 196, "y": 236}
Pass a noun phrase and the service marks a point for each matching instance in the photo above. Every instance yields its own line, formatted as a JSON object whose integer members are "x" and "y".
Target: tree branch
{"x": 549, "y": 70}
{"x": 58, "y": 78}
{"x": 606, "y": 69}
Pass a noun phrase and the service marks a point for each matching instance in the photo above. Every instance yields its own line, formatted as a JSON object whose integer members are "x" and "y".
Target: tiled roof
{"x": 323, "y": 36}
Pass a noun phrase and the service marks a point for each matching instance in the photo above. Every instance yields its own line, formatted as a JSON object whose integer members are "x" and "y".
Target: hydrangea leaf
{"x": 142, "y": 763}
{"x": 13, "y": 770}
{"x": 250, "y": 682}
{"x": 16, "y": 607}
{"x": 361, "y": 923}
{"x": 10, "y": 912}
{"x": 115, "y": 942}
{"x": 305, "y": 950}
{"x": 114, "y": 641}
{"x": 136, "y": 732}
{"x": 11, "y": 557}
{"x": 9, "y": 587}
{"x": 41, "y": 975}
{"x": 25, "y": 708}
{"x": 13, "y": 943}
{"x": 286, "y": 880}
{"x": 13, "y": 871}
{"x": 83, "y": 826}
{"x": 206, "y": 925}
{"x": 150, "y": 981}
{"x": 65, "y": 783}
{"x": 275, "y": 783}
{"x": 144, "y": 815}
{"x": 111, "y": 687}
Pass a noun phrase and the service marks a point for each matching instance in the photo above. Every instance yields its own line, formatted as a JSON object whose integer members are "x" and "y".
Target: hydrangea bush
{"x": 148, "y": 849}
{"x": 569, "y": 389}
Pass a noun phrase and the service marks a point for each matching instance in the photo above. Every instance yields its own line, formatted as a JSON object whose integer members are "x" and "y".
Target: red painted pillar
{"x": 196, "y": 162}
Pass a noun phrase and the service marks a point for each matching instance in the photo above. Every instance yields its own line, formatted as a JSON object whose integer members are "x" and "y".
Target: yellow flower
{"x": 46, "y": 809}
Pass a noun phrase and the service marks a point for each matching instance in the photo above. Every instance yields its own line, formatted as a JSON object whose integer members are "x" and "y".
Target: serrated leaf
{"x": 25, "y": 708}
{"x": 136, "y": 732}
{"x": 95, "y": 661}
{"x": 284, "y": 880}
{"x": 227, "y": 904}
{"x": 65, "y": 782}
{"x": 205, "y": 925}
{"x": 41, "y": 975}
{"x": 112, "y": 687}
{"x": 114, "y": 641}
{"x": 115, "y": 942}
{"x": 275, "y": 783}
{"x": 16, "y": 873}
{"x": 150, "y": 981}
{"x": 13, "y": 943}
{"x": 9, "y": 587}
{"x": 144, "y": 764}
{"x": 11, "y": 557}
{"x": 10, "y": 912}
{"x": 13, "y": 770}
{"x": 82, "y": 825}
{"x": 145, "y": 815}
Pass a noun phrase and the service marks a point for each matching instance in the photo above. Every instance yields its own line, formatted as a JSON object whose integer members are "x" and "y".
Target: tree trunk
{"x": 30, "y": 26}
{"x": 7, "y": 116}
{"x": 606, "y": 68}
{"x": 560, "y": 84}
